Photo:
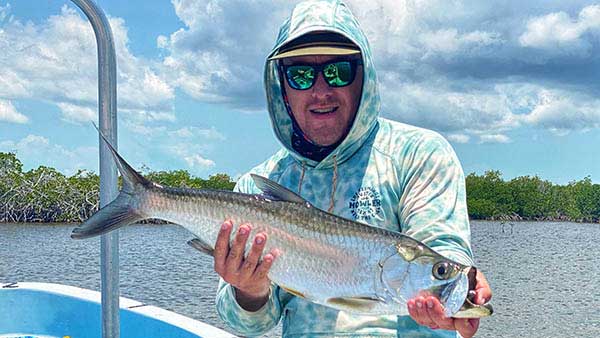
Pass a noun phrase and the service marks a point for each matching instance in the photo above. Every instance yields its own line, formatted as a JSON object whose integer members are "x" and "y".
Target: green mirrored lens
{"x": 338, "y": 74}
{"x": 300, "y": 77}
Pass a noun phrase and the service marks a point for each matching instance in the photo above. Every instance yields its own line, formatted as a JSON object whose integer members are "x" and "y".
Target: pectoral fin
{"x": 275, "y": 191}
{"x": 357, "y": 304}
{"x": 201, "y": 246}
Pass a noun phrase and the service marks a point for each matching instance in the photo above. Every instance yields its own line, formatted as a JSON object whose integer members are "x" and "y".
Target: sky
{"x": 513, "y": 85}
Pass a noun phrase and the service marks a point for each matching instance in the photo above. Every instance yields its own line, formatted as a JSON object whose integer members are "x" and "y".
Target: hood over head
{"x": 322, "y": 16}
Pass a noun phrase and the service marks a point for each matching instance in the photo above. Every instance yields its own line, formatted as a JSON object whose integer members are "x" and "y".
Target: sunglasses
{"x": 337, "y": 74}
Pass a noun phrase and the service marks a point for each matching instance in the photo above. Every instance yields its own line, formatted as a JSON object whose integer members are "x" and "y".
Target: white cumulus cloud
{"x": 559, "y": 30}
{"x": 55, "y": 60}
{"x": 495, "y": 138}
{"x": 32, "y": 148}
{"x": 562, "y": 112}
{"x": 9, "y": 113}
{"x": 220, "y": 53}
{"x": 196, "y": 160}
{"x": 77, "y": 114}
{"x": 458, "y": 138}
{"x": 190, "y": 153}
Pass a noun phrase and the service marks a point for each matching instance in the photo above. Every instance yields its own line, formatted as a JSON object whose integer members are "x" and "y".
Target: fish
{"x": 322, "y": 257}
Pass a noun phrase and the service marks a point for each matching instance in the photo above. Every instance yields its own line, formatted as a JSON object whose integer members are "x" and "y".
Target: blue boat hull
{"x": 43, "y": 309}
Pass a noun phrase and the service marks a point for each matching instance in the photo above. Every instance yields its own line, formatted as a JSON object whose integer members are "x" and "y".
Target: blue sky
{"x": 513, "y": 85}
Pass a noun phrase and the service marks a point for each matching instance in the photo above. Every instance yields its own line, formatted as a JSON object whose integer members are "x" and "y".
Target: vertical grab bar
{"x": 107, "y": 109}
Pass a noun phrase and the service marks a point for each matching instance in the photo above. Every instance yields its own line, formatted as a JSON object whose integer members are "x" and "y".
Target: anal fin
{"x": 357, "y": 304}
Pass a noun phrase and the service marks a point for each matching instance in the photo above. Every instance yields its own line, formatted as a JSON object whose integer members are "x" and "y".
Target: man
{"x": 340, "y": 156}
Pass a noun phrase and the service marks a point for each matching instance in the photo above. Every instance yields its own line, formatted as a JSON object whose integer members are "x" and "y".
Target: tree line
{"x": 46, "y": 195}
{"x": 531, "y": 198}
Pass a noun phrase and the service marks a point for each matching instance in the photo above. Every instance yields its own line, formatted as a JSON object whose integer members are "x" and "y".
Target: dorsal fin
{"x": 130, "y": 176}
{"x": 276, "y": 191}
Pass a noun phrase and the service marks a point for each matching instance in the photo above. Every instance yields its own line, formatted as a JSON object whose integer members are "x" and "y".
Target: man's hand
{"x": 248, "y": 276}
{"x": 428, "y": 311}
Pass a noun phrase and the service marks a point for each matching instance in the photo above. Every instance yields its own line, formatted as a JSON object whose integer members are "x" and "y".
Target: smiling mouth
{"x": 324, "y": 111}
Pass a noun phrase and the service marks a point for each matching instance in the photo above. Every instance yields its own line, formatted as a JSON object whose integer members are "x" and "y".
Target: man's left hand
{"x": 428, "y": 311}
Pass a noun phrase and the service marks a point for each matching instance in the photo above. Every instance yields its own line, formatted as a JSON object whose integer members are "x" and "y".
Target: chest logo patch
{"x": 365, "y": 204}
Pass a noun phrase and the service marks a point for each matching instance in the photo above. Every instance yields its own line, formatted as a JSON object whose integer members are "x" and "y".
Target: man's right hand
{"x": 248, "y": 276}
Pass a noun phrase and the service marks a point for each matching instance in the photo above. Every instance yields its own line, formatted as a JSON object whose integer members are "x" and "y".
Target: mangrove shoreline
{"x": 44, "y": 195}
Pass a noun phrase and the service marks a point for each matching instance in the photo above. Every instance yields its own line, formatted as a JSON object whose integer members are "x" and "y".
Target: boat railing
{"x": 107, "y": 121}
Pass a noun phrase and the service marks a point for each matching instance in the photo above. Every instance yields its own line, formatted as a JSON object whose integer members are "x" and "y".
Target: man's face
{"x": 324, "y": 113}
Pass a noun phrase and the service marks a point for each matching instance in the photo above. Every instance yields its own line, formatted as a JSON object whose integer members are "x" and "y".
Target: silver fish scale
{"x": 322, "y": 255}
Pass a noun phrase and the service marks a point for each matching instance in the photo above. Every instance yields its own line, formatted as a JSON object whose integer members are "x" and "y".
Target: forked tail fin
{"x": 121, "y": 211}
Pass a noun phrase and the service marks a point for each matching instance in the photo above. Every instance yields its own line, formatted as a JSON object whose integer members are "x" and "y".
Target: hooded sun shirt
{"x": 384, "y": 173}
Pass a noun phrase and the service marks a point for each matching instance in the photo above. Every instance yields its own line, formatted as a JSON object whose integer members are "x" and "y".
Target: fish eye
{"x": 442, "y": 270}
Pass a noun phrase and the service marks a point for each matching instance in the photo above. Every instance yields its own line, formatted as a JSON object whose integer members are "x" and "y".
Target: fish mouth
{"x": 459, "y": 297}
{"x": 454, "y": 294}
{"x": 469, "y": 309}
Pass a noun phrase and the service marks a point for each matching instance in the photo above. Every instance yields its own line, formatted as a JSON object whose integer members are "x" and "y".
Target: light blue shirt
{"x": 384, "y": 173}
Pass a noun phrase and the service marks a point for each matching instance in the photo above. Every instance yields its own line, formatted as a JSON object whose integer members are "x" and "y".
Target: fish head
{"x": 410, "y": 271}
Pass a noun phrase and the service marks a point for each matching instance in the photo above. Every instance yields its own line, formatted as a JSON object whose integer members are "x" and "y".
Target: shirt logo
{"x": 365, "y": 204}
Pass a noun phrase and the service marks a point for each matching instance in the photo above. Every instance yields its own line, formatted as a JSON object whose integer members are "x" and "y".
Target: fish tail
{"x": 131, "y": 178}
{"x": 116, "y": 214}
{"x": 121, "y": 211}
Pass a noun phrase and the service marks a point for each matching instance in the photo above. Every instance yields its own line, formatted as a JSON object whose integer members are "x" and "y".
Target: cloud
{"x": 190, "y": 154}
{"x": 444, "y": 66}
{"x": 77, "y": 114}
{"x": 9, "y": 113}
{"x": 145, "y": 130}
{"x": 450, "y": 41}
{"x": 562, "y": 112}
{"x": 4, "y": 10}
{"x": 190, "y": 132}
{"x": 213, "y": 59}
{"x": 189, "y": 146}
{"x": 447, "y": 110}
{"x": 196, "y": 160}
{"x": 34, "y": 147}
{"x": 559, "y": 31}
{"x": 458, "y": 138}
{"x": 496, "y": 138}
{"x": 55, "y": 61}
{"x": 464, "y": 69}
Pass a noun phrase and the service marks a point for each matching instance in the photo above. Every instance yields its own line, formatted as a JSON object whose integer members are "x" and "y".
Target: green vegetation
{"x": 46, "y": 195}
{"x": 531, "y": 198}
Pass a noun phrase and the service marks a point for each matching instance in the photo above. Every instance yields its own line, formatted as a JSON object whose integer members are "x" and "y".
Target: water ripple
{"x": 544, "y": 275}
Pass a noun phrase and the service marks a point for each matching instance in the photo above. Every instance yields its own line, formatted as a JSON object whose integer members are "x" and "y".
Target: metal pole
{"x": 107, "y": 99}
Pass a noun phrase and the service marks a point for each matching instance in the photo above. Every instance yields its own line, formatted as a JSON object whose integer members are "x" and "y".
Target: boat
{"x": 46, "y": 310}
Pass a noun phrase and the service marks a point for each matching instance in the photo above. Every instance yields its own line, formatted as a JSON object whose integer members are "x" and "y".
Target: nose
{"x": 320, "y": 90}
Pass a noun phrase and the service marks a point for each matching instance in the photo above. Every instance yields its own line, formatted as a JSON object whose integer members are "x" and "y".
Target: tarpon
{"x": 323, "y": 258}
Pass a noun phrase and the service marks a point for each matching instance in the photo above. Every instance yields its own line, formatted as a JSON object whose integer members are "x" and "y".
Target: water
{"x": 544, "y": 275}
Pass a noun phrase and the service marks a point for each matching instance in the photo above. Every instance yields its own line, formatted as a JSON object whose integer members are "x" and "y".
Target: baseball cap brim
{"x": 317, "y": 50}
{"x": 317, "y": 43}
